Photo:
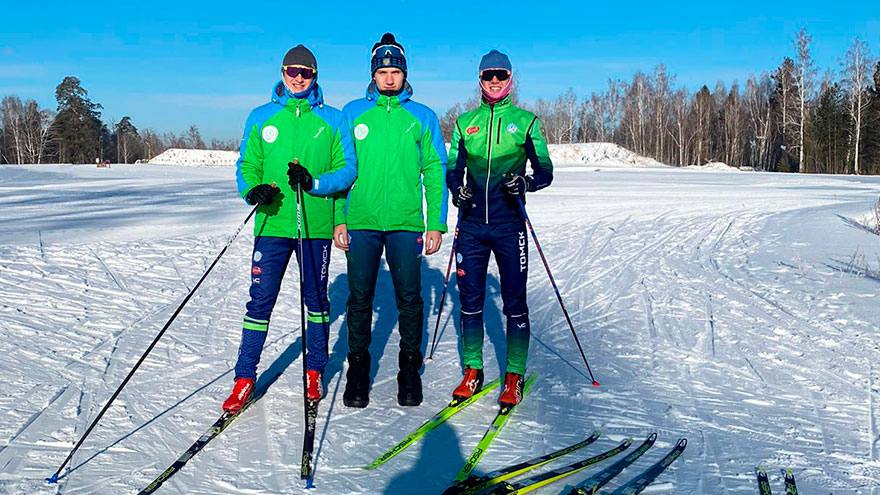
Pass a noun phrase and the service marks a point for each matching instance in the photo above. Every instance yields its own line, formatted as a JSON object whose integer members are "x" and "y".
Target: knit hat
{"x": 300, "y": 55}
{"x": 387, "y": 53}
{"x": 495, "y": 60}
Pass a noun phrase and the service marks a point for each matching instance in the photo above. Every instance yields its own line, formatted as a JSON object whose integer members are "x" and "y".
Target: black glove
{"x": 262, "y": 194}
{"x": 517, "y": 185}
{"x": 298, "y": 175}
{"x": 461, "y": 197}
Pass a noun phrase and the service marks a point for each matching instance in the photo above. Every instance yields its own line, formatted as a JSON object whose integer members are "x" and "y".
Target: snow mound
{"x": 599, "y": 155}
{"x": 721, "y": 166}
{"x": 196, "y": 158}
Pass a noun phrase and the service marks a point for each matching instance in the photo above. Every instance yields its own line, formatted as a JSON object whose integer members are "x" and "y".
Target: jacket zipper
{"x": 489, "y": 161}
{"x": 498, "y": 134}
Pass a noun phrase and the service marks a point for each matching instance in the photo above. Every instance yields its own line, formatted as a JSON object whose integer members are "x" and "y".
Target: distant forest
{"x": 790, "y": 120}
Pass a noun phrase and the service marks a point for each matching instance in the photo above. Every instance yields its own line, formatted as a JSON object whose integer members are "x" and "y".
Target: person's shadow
{"x": 439, "y": 460}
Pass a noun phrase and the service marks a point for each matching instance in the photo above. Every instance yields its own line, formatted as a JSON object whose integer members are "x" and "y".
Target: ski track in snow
{"x": 707, "y": 303}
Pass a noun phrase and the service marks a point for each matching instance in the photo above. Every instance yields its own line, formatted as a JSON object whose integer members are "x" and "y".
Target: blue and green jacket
{"x": 489, "y": 143}
{"x": 401, "y": 163}
{"x": 302, "y": 128}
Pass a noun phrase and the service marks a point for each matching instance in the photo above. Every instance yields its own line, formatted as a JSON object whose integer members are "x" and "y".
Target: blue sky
{"x": 172, "y": 64}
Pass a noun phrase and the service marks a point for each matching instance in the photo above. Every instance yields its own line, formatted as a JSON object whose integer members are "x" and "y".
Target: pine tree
{"x": 77, "y": 127}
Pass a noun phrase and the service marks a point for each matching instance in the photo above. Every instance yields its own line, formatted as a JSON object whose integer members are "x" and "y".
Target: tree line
{"x": 788, "y": 120}
{"x": 75, "y": 133}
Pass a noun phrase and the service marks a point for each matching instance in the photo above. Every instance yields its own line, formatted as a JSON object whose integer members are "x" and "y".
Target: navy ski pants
{"x": 476, "y": 241}
{"x": 268, "y": 265}
{"x": 403, "y": 252}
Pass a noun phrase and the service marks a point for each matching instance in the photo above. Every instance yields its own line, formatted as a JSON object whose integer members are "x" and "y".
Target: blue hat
{"x": 495, "y": 60}
{"x": 387, "y": 53}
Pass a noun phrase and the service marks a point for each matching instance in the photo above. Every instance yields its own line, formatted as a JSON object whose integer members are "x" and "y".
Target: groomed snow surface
{"x": 731, "y": 309}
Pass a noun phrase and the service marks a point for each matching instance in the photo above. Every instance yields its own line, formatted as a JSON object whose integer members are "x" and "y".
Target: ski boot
{"x": 513, "y": 390}
{"x": 357, "y": 380}
{"x": 409, "y": 383}
{"x": 471, "y": 383}
{"x": 241, "y": 392}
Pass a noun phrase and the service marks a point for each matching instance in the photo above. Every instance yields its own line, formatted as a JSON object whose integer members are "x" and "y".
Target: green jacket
{"x": 319, "y": 137}
{"x": 489, "y": 143}
{"x": 401, "y": 160}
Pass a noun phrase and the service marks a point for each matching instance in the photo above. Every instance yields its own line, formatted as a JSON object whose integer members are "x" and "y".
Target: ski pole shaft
{"x": 445, "y": 288}
{"x": 522, "y": 209}
{"x": 155, "y": 341}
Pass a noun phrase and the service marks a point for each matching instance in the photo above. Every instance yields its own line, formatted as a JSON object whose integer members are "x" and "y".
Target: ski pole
{"x": 54, "y": 477}
{"x": 306, "y": 464}
{"x": 445, "y": 287}
{"x": 522, "y": 209}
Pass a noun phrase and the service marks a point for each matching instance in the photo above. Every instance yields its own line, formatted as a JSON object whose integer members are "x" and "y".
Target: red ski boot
{"x": 313, "y": 385}
{"x": 513, "y": 390}
{"x": 241, "y": 392}
{"x": 471, "y": 383}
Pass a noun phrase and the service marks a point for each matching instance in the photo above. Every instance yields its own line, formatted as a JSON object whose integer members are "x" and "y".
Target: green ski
{"x": 476, "y": 484}
{"x": 540, "y": 480}
{"x": 499, "y": 422}
{"x": 444, "y": 414}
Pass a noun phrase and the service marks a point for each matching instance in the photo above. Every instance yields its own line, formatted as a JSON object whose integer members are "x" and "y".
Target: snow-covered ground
{"x": 731, "y": 309}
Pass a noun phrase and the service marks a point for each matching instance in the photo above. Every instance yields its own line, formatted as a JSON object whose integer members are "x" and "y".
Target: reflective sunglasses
{"x": 297, "y": 70}
{"x": 500, "y": 74}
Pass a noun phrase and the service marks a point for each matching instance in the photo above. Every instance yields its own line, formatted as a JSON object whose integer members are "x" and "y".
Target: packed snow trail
{"x": 733, "y": 309}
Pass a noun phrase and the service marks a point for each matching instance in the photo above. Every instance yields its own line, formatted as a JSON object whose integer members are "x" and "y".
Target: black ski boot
{"x": 357, "y": 380}
{"x": 409, "y": 383}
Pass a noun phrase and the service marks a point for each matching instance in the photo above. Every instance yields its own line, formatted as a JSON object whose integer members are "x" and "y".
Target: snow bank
{"x": 196, "y": 158}
{"x": 599, "y": 155}
{"x": 719, "y": 166}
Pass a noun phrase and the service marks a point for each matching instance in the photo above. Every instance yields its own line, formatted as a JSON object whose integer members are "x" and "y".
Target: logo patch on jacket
{"x": 270, "y": 134}
{"x": 512, "y": 128}
{"x": 472, "y": 129}
{"x": 361, "y": 131}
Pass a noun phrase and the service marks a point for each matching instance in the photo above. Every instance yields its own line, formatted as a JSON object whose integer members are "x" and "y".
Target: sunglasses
{"x": 500, "y": 74}
{"x": 297, "y": 70}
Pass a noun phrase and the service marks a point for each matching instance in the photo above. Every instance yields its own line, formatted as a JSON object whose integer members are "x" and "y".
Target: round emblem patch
{"x": 458, "y": 257}
{"x": 361, "y": 131}
{"x": 270, "y": 133}
{"x": 258, "y": 256}
{"x": 512, "y": 128}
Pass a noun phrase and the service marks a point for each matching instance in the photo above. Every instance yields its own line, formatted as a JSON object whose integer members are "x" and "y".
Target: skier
{"x": 401, "y": 158}
{"x": 288, "y": 144}
{"x": 490, "y": 146}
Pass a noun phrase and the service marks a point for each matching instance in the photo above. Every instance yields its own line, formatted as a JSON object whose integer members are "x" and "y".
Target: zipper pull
{"x": 297, "y": 110}
{"x": 389, "y": 105}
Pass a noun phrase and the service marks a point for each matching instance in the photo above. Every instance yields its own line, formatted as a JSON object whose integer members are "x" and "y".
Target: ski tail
{"x": 221, "y": 424}
{"x": 640, "y": 482}
{"x": 496, "y": 426}
{"x": 306, "y": 470}
{"x": 591, "y": 485}
{"x": 441, "y": 417}
{"x": 763, "y": 481}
